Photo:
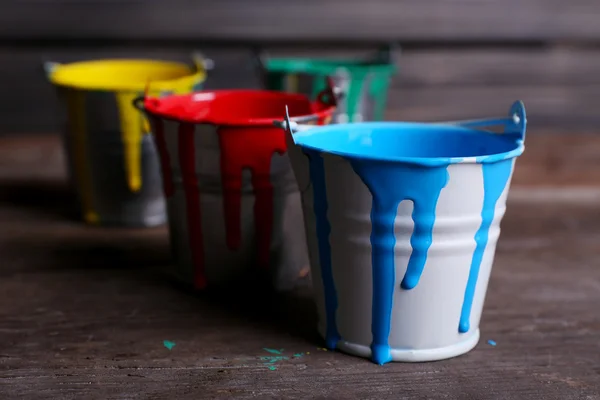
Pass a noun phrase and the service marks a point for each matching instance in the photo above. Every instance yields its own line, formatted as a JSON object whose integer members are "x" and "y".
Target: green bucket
{"x": 364, "y": 83}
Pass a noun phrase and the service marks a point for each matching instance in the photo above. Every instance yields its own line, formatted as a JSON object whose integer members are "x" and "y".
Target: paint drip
{"x": 239, "y": 150}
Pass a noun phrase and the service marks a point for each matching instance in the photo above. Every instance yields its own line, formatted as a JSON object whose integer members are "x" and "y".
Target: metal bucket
{"x": 364, "y": 82}
{"x": 401, "y": 266}
{"x": 232, "y": 199}
{"x": 112, "y": 162}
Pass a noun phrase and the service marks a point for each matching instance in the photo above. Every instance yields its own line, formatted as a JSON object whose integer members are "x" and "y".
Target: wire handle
{"x": 326, "y": 99}
{"x": 49, "y": 67}
{"x": 514, "y": 124}
{"x": 201, "y": 62}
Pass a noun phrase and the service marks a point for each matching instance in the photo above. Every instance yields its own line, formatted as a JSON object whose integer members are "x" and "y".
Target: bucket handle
{"x": 202, "y": 62}
{"x": 514, "y": 124}
{"x": 327, "y": 97}
{"x": 138, "y": 103}
{"x": 258, "y": 59}
{"x": 49, "y": 67}
{"x": 387, "y": 53}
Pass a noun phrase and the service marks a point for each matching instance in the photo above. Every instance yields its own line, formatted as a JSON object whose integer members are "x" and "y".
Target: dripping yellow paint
{"x": 126, "y": 79}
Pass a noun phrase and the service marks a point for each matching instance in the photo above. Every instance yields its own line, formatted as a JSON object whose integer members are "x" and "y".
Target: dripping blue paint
{"x": 495, "y": 178}
{"x": 390, "y": 183}
{"x": 408, "y": 161}
{"x": 317, "y": 177}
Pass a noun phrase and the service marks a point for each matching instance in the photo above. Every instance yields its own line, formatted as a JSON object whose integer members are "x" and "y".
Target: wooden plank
{"x": 555, "y": 65}
{"x": 552, "y": 159}
{"x": 30, "y": 104}
{"x": 559, "y": 86}
{"x": 566, "y": 107}
{"x": 84, "y": 314}
{"x": 272, "y": 20}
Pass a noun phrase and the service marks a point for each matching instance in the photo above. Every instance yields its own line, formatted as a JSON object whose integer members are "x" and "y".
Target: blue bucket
{"x": 402, "y": 221}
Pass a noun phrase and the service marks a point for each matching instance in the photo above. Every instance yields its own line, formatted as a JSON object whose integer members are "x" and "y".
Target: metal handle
{"x": 327, "y": 97}
{"x": 49, "y": 67}
{"x": 515, "y": 123}
{"x": 387, "y": 53}
{"x": 258, "y": 63}
{"x": 201, "y": 62}
{"x": 138, "y": 103}
{"x": 291, "y": 126}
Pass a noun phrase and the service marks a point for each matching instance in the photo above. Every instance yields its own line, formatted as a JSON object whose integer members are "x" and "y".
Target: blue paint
{"x": 495, "y": 178}
{"x": 317, "y": 177}
{"x": 407, "y": 161}
{"x": 391, "y": 183}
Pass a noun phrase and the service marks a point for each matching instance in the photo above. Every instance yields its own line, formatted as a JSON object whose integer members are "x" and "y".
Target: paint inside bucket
{"x": 456, "y": 179}
{"x": 408, "y": 142}
{"x": 235, "y": 107}
{"x": 119, "y": 75}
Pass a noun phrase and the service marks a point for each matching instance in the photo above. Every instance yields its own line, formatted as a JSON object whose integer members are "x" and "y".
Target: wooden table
{"x": 89, "y": 313}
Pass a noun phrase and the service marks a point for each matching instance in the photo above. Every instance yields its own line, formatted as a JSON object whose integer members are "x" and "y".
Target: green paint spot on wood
{"x": 273, "y": 351}
{"x": 168, "y": 344}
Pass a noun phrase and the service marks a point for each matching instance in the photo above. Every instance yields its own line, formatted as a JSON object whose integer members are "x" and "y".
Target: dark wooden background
{"x": 459, "y": 58}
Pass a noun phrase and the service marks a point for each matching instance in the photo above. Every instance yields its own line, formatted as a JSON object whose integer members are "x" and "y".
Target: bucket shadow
{"x": 138, "y": 261}
{"x": 51, "y": 198}
{"x": 254, "y": 301}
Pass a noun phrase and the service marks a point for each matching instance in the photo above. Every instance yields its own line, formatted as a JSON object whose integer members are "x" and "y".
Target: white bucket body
{"x": 400, "y": 253}
{"x": 195, "y": 203}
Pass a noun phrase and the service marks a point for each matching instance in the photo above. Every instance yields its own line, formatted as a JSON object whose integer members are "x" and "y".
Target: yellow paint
{"x": 126, "y": 75}
{"x": 128, "y": 79}
{"x": 131, "y": 133}
{"x": 76, "y": 111}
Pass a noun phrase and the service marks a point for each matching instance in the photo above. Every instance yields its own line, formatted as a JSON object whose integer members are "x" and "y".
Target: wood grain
{"x": 270, "y": 20}
{"x": 84, "y": 312}
{"x": 559, "y": 84}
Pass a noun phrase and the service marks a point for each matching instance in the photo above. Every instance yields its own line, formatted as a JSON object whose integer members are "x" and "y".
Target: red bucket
{"x": 233, "y": 202}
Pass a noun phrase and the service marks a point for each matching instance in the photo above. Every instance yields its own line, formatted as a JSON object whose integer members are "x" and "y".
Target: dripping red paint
{"x": 239, "y": 150}
{"x": 187, "y": 161}
{"x": 243, "y": 121}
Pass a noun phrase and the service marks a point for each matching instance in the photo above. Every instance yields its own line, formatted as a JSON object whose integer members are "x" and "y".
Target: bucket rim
{"x": 518, "y": 149}
{"x": 61, "y": 75}
{"x": 323, "y": 66}
{"x": 150, "y": 106}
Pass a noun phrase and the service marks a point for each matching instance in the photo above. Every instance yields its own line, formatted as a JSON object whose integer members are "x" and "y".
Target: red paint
{"x": 240, "y": 149}
{"x": 187, "y": 163}
{"x": 247, "y": 139}
{"x": 235, "y": 107}
{"x": 165, "y": 159}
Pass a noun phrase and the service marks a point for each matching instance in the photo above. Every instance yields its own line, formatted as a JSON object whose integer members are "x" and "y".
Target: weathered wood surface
{"x": 84, "y": 312}
{"x": 271, "y": 20}
{"x": 560, "y": 85}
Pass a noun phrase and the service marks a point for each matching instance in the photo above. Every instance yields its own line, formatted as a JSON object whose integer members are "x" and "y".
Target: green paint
{"x": 274, "y": 359}
{"x": 378, "y": 91}
{"x": 273, "y": 351}
{"x": 378, "y": 73}
{"x": 168, "y": 344}
{"x": 269, "y": 361}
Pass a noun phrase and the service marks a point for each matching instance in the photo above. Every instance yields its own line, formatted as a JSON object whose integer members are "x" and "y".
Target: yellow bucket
{"x": 101, "y": 121}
